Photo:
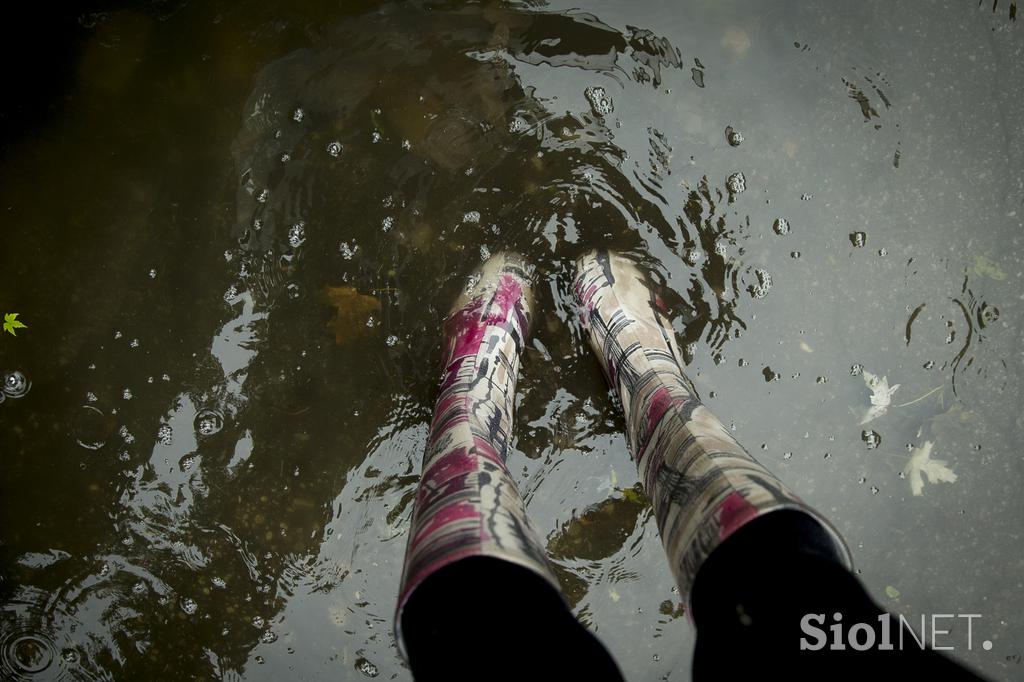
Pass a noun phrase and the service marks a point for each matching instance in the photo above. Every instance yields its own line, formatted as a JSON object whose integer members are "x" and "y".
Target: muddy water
{"x": 235, "y": 232}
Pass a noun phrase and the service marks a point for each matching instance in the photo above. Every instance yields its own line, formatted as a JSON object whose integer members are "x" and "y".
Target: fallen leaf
{"x": 881, "y": 396}
{"x": 352, "y": 312}
{"x": 11, "y": 322}
{"x": 921, "y": 462}
{"x": 892, "y": 592}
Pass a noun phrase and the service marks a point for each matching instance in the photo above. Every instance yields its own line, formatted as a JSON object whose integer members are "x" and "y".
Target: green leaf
{"x": 11, "y": 323}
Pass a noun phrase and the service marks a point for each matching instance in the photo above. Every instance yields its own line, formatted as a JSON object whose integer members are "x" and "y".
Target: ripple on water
{"x": 92, "y": 427}
{"x": 15, "y": 384}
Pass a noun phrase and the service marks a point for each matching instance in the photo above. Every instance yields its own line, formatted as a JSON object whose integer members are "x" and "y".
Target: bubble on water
{"x": 694, "y": 256}
{"x": 471, "y": 217}
{"x": 821, "y": 380}
{"x": 871, "y": 438}
{"x": 186, "y": 462}
{"x": 366, "y": 667}
{"x": 231, "y": 295}
{"x": 874, "y": 490}
{"x": 268, "y": 637}
{"x": 858, "y": 239}
{"x": 165, "y": 435}
{"x": 733, "y": 136}
{"x": 228, "y": 256}
{"x": 371, "y": 322}
{"x": 134, "y": 343}
{"x": 764, "y": 284}
{"x": 70, "y": 656}
{"x": 126, "y": 394}
{"x": 126, "y": 435}
{"x": 286, "y": 157}
{"x": 856, "y": 369}
{"x": 263, "y": 196}
{"x": 292, "y": 290}
{"x": 152, "y": 273}
{"x": 929, "y": 364}
{"x": 721, "y": 248}
{"x": 781, "y": 226}
{"x": 218, "y": 582}
{"x": 139, "y": 587}
{"x": 485, "y": 253}
{"x": 600, "y": 102}
{"x": 375, "y": 137}
{"x": 118, "y": 335}
{"x": 334, "y": 148}
{"x": 770, "y": 374}
{"x": 742, "y": 363}
{"x": 346, "y": 251}
{"x": 257, "y": 224}
{"x": 15, "y": 384}
{"x": 387, "y": 223}
{"x": 258, "y": 622}
{"x": 406, "y": 145}
{"x": 259, "y": 660}
{"x": 883, "y": 252}
{"x": 298, "y": 115}
{"x": 806, "y": 196}
{"x": 794, "y": 254}
{"x": 208, "y": 422}
{"x": 391, "y": 340}
{"x": 787, "y": 455}
{"x": 189, "y": 606}
{"x": 297, "y": 234}
{"x": 516, "y": 125}
{"x": 736, "y": 183}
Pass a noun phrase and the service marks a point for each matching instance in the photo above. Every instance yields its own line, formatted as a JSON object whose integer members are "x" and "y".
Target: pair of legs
{"x": 478, "y": 598}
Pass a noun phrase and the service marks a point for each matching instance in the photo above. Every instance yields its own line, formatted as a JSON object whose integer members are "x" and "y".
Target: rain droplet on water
{"x": 208, "y": 422}
{"x": 781, "y": 226}
{"x": 736, "y": 183}
{"x": 794, "y": 254}
{"x": 858, "y": 239}
{"x": 733, "y": 136}
{"x": 334, "y": 148}
{"x": 871, "y": 438}
{"x": 600, "y": 103}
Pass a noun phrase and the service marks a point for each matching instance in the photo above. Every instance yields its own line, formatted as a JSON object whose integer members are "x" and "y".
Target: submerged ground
{"x": 233, "y": 228}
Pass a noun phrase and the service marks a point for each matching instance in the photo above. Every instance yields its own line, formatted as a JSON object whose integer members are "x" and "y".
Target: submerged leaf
{"x": 881, "y": 396}
{"x": 921, "y": 462}
{"x": 353, "y": 312}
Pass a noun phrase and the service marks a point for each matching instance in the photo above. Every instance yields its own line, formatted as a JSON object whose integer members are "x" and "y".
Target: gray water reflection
{"x": 234, "y": 317}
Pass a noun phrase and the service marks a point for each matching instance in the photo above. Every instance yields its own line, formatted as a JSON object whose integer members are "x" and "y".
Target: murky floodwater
{"x": 235, "y": 235}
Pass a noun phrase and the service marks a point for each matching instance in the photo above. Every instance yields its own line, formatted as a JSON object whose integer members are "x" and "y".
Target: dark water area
{"x": 233, "y": 230}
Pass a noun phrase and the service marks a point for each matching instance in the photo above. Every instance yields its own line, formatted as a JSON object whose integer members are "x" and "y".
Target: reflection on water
{"x": 236, "y": 240}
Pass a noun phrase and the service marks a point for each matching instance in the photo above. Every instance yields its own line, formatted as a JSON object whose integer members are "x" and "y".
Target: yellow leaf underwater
{"x": 352, "y": 312}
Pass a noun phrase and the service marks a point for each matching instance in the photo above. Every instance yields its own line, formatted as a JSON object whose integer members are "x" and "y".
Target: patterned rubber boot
{"x": 702, "y": 484}
{"x": 467, "y": 504}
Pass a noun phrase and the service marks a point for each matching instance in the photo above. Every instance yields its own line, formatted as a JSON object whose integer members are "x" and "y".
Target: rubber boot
{"x": 467, "y": 504}
{"x": 702, "y": 484}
